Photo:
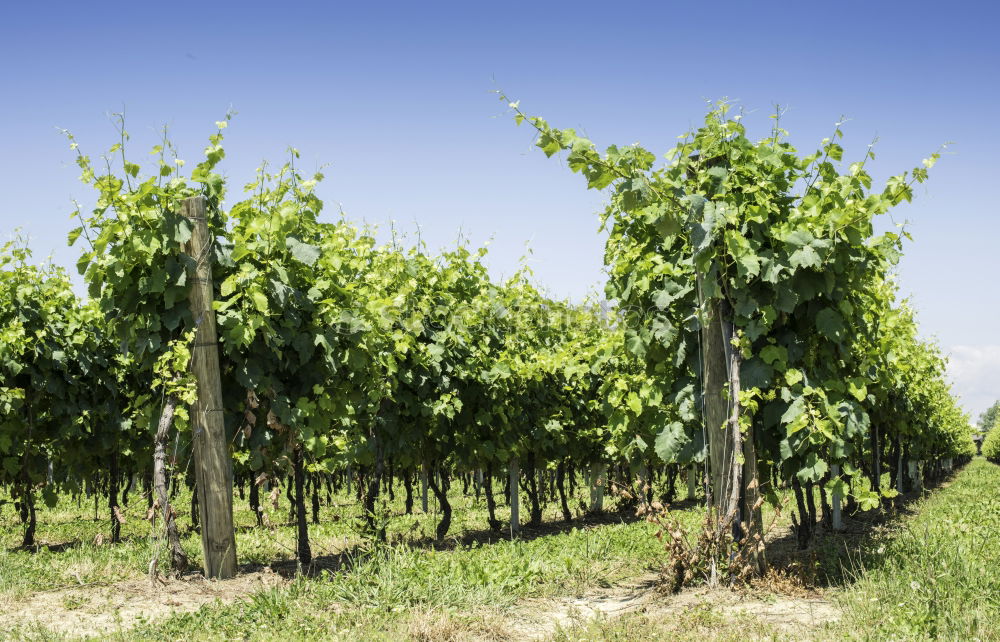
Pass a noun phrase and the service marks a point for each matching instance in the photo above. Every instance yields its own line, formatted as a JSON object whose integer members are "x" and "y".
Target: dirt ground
{"x": 97, "y": 610}
{"x": 793, "y": 615}
{"x": 94, "y": 610}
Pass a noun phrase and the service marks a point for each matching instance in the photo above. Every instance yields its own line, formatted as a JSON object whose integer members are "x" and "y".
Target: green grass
{"x": 937, "y": 575}
{"x": 70, "y": 551}
{"x": 383, "y": 590}
{"x": 932, "y": 573}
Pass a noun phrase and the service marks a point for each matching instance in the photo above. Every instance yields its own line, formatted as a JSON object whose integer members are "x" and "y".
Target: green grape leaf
{"x": 754, "y": 373}
{"x": 813, "y": 469}
{"x": 303, "y": 252}
{"x": 831, "y": 324}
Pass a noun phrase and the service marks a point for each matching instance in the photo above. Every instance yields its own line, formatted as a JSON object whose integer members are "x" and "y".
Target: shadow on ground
{"x": 833, "y": 557}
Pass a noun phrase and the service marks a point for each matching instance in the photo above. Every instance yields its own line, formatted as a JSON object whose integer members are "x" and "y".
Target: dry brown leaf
{"x": 274, "y": 424}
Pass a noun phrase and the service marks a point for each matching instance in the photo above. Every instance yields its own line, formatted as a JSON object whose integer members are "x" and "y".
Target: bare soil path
{"x": 96, "y": 610}
{"x": 797, "y": 617}
{"x": 99, "y": 610}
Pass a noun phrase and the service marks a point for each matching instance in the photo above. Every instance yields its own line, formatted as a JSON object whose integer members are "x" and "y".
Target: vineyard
{"x": 243, "y": 363}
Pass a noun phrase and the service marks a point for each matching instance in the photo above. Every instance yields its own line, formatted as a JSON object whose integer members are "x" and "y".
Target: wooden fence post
{"x": 515, "y": 496}
{"x": 212, "y": 463}
{"x": 734, "y": 485}
{"x": 837, "y": 517}
{"x": 726, "y": 475}
{"x": 915, "y": 477}
{"x": 423, "y": 486}
{"x": 598, "y": 480}
{"x": 899, "y": 472}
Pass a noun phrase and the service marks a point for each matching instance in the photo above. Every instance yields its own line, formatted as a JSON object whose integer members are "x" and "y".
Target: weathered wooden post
{"x": 733, "y": 484}
{"x": 423, "y": 486}
{"x": 916, "y": 479}
{"x": 212, "y": 463}
{"x": 838, "y": 518}
{"x": 722, "y": 447}
{"x": 692, "y": 481}
{"x": 899, "y": 472}
{"x": 643, "y": 478}
{"x": 598, "y": 480}
{"x": 515, "y": 497}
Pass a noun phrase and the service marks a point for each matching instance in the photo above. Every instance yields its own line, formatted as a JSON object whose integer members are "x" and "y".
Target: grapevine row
{"x": 349, "y": 361}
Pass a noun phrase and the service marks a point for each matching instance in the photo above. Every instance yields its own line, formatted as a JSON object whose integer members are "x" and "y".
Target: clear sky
{"x": 394, "y": 98}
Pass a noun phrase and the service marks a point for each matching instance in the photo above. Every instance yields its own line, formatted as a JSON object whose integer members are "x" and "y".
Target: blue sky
{"x": 394, "y": 98}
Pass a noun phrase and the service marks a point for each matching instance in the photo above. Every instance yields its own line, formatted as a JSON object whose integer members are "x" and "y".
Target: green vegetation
{"x": 991, "y": 445}
{"x": 72, "y": 549}
{"x": 358, "y": 587}
{"x": 817, "y": 364}
{"x": 928, "y": 574}
{"x": 935, "y": 576}
{"x": 343, "y": 361}
{"x": 989, "y": 417}
{"x": 752, "y": 335}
